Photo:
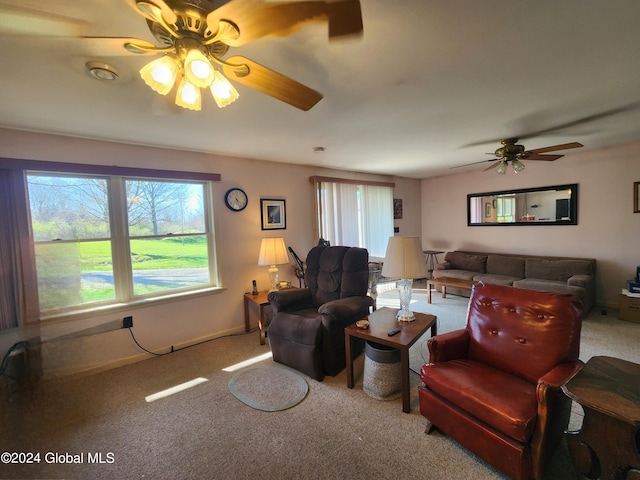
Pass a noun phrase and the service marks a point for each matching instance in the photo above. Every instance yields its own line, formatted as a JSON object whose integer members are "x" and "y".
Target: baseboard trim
{"x": 121, "y": 362}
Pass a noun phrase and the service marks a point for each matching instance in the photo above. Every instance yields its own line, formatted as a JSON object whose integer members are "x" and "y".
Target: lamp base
{"x": 273, "y": 278}
{"x": 404, "y": 314}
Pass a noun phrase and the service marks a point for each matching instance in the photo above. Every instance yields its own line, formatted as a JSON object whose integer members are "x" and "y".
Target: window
{"x": 105, "y": 239}
{"x": 506, "y": 206}
{"x": 356, "y": 214}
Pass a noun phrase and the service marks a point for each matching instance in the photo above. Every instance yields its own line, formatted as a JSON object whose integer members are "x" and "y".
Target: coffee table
{"x": 381, "y": 322}
{"x": 608, "y": 389}
{"x": 445, "y": 282}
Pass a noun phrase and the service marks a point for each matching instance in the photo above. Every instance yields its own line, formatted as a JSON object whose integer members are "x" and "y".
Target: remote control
{"x": 393, "y": 332}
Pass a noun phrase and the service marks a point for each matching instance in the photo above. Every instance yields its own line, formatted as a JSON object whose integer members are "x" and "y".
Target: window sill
{"x": 122, "y": 307}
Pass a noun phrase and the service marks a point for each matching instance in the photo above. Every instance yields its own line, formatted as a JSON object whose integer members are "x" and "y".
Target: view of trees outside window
{"x": 165, "y": 214}
{"x": 82, "y": 259}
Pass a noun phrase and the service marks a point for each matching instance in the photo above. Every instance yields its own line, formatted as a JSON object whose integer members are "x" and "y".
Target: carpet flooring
{"x": 204, "y": 432}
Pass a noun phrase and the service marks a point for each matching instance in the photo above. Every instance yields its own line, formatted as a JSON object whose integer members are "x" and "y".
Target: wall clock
{"x": 235, "y": 199}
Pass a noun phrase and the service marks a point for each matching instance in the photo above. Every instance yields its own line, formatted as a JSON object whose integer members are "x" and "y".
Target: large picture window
{"x": 355, "y": 214}
{"x": 102, "y": 239}
{"x": 76, "y": 238}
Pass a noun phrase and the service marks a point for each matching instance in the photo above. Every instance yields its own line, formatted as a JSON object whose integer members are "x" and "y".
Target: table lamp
{"x": 404, "y": 259}
{"x": 273, "y": 252}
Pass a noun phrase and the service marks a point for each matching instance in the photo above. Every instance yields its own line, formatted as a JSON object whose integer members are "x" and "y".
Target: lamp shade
{"x": 273, "y": 252}
{"x": 161, "y": 73}
{"x": 404, "y": 258}
{"x": 188, "y": 95}
{"x": 222, "y": 91}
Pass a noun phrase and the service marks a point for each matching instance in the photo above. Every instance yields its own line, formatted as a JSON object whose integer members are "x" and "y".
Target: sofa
{"x": 533, "y": 272}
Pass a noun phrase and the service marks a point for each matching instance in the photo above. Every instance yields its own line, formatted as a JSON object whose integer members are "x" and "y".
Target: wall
{"x": 607, "y": 229}
{"x": 238, "y": 243}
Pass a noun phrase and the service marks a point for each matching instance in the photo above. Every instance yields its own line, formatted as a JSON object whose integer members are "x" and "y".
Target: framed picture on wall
{"x": 636, "y": 197}
{"x": 273, "y": 214}
{"x": 397, "y": 208}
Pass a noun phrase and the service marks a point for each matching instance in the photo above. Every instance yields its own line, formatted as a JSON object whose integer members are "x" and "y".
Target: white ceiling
{"x": 430, "y": 85}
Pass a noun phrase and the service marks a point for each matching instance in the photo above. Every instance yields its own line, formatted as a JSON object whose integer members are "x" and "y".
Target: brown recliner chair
{"x": 307, "y": 329}
{"x": 495, "y": 386}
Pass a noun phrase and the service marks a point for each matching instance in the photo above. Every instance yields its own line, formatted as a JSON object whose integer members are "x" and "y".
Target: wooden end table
{"x": 261, "y": 300}
{"x": 444, "y": 282}
{"x": 608, "y": 389}
{"x": 381, "y": 322}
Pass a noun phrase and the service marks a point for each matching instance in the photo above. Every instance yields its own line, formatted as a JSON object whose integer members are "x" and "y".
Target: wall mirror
{"x": 555, "y": 205}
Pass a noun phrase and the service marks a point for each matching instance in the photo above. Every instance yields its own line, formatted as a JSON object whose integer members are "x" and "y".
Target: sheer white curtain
{"x": 355, "y": 215}
{"x": 377, "y": 218}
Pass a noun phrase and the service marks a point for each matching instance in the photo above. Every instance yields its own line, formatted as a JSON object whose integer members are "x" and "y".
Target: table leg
{"x": 428, "y": 292}
{"x": 348, "y": 343}
{"x": 444, "y": 291}
{"x": 261, "y": 324}
{"x": 406, "y": 391}
{"x": 604, "y": 447}
{"x": 246, "y": 315}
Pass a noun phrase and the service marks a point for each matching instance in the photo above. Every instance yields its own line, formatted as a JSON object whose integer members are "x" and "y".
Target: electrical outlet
{"x": 127, "y": 322}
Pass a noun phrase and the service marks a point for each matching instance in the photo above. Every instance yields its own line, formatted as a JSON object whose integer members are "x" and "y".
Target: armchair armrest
{"x": 448, "y": 346}
{"x": 346, "y": 307}
{"x": 295, "y": 297}
{"x": 444, "y": 266}
{"x": 561, "y": 374}
{"x": 554, "y": 410}
{"x": 580, "y": 280}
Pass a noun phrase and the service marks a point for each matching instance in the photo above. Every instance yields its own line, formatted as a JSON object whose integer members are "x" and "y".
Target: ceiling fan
{"x": 195, "y": 35}
{"x": 512, "y": 152}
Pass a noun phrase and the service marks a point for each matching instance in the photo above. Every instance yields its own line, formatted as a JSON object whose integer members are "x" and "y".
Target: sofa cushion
{"x": 505, "y": 265}
{"x": 561, "y": 270}
{"x": 463, "y": 274}
{"x": 466, "y": 261}
{"x": 501, "y": 400}
{"x": 554, "y": 286}
{"x": 495, "y": 279}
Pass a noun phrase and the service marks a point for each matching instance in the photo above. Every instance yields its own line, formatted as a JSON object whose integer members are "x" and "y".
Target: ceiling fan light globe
{"x": 502, "y": 168}
{"x": 517, "y": 165}
{"x": 161, "y": 73}
{"x": 188, "y": 95}
{"x": 222, "y": 91}
{"x": 198, "y": 69}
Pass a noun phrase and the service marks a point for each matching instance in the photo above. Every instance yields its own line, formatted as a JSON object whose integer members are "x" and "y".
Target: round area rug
{"x": 268, "y": 387}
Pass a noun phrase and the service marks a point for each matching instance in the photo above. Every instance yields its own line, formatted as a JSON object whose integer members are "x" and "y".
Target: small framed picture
{"x": 274, "y": 214}
{"x": 636, "y": 197}
{"x": 397, "y": 208}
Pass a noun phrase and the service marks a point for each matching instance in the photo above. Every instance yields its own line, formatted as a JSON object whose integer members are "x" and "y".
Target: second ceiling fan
{"x": 512, "y": 152}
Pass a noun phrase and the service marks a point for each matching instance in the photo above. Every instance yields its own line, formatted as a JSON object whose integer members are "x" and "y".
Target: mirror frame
{"x": 573, "y": 206}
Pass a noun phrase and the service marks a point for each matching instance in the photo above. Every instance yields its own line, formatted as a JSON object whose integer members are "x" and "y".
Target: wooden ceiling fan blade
{"x": 150, "y": 9}
{"x": 555, "y": 148}
{"x": 115, "y": 46}
{"x": 345, "y": 18}
{"x": 548, "y": 158}
{"x": 15, "y": 20}
{"x": 489, "y": 168}
{"x": 474, "y": 163}
{"x": 271, "y": 83}
{"x": 256, "y": 19}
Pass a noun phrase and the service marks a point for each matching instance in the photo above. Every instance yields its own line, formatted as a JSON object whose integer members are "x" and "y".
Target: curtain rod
{"x": 318, "y": 179}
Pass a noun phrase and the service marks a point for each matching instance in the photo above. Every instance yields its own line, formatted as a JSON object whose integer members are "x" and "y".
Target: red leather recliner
{"x": 495, "y": 386}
